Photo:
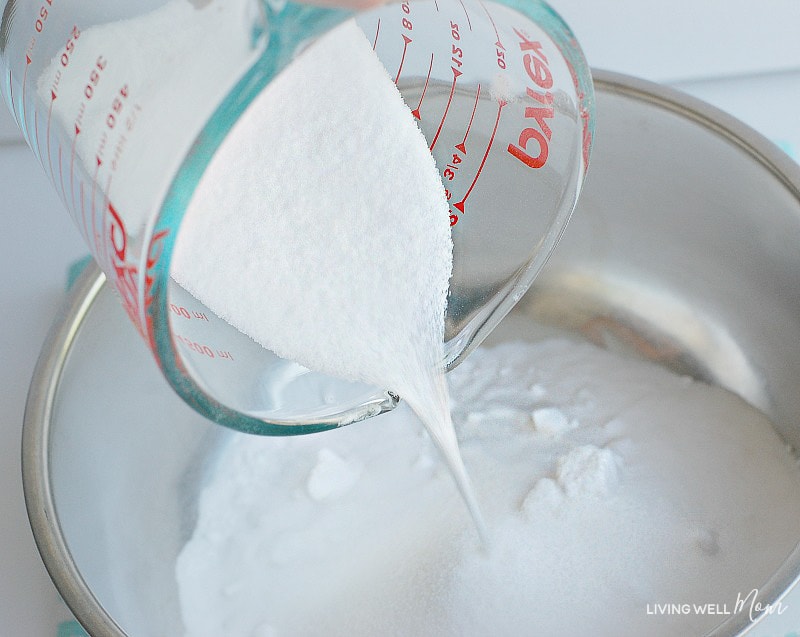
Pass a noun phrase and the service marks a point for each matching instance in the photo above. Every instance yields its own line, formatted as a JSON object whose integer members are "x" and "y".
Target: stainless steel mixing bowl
{"x": 685, "y": 249}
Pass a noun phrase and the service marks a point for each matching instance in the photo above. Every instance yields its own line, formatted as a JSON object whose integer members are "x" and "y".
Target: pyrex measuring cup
{"x": 125, "y": 104}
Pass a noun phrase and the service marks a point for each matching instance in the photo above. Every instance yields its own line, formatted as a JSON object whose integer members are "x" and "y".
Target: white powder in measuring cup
{"x": 659, "y": 491}
{"x": 321, "y": 230}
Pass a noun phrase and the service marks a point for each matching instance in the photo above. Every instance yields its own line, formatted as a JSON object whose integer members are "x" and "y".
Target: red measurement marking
{"x": 494, "y": 26}
{"x": 24, "y": 85}
{"x": 61, "y": 175}
{"x": 377, "y": 31}
{"x": 463, "y": 145}
{"x": 11, "y": 96}
{"x": 36, "y": 136}
{"x": 406, "y": 42}
{"x": 107, "y": 219}
{"x": 184, "y": 313}
{"x": 72, "y": 165}
{"x": 456, "y": 74}
{"x": 180, "y": 311}
{"x": 460, "y": 205}
{"x": 415, "y": 112}
{"x": 95, "y": 236}
{"x": 106, "y": 230}
{"x": 53, "y": 97}
{"x": 200, "y": 348}
{"x": 83, "y": 216}
{"x": 466, "y": 13}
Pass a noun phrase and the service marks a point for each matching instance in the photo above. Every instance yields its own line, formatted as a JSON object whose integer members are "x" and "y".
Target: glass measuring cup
{"x": 124, "y": 108}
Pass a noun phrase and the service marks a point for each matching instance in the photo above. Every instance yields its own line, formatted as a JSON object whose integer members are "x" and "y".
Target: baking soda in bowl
{"x": 610, "y": 486}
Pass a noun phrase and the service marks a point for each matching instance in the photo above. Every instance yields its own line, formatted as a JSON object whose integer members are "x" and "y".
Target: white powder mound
{"x": 665, "y": 491}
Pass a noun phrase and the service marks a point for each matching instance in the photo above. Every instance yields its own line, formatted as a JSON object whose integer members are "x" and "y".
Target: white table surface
{"x": 748, "y": 64}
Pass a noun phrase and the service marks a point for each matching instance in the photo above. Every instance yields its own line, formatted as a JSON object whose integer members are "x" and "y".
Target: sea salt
{"x": 665, "y": 491}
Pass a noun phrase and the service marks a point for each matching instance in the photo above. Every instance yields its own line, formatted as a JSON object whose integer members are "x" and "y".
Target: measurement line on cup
{"x": 498, "y": 43}
{"x": 72, "y": 165}
{"x": 85, "y": 225}
{"x": 456, "y": 75}
{"x": 94, "y": 208}
{"x": 37, "y": 146}
{"x": 460, "y": 205}
{"x": 61, "y": 175}
{"x": 105, "y": 243}
{"x": 416, "y": 112}
{"x": 466, "y": 13}
{"x": 53, "y": 98}
{"x": 23, "y": 116}
{"x": 406, "y": 42}
{"x": 377, "y": 32}
{"x": 11, "y": 98}
{"x": 463, "y": 145}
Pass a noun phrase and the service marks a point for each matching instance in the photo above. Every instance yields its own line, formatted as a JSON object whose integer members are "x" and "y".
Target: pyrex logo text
{"x": 535, "y": 62}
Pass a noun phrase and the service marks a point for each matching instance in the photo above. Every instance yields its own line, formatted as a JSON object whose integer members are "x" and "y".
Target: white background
{"x": 742, "y": 56}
